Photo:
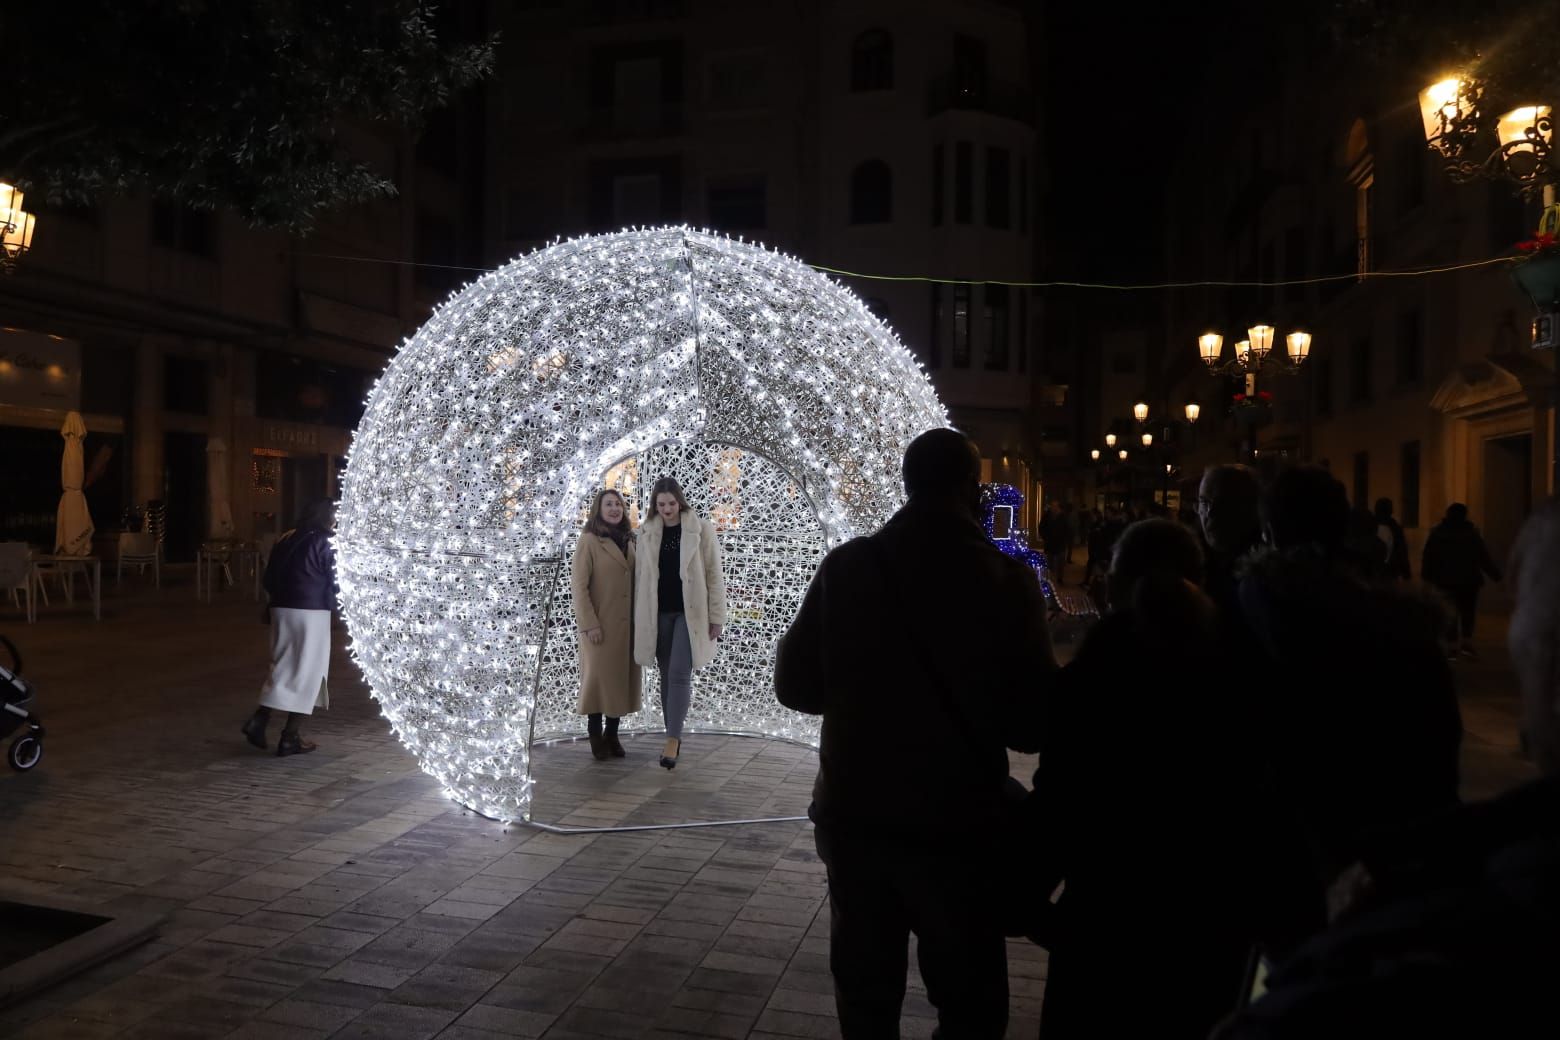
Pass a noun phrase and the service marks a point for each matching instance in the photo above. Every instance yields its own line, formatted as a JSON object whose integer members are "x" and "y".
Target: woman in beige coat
{"x": 603, "y": 579}
{"x": 679, "y": 603}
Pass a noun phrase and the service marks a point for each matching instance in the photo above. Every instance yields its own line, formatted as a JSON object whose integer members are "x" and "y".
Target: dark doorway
{"x": 184, "y": 491}
{"x": 30, "y": 492}
{"x": 1508, "y": 491}
{"x": 303, "y": 481}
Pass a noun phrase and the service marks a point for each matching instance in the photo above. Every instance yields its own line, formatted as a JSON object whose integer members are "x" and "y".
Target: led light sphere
{"x": 769, "y": 391}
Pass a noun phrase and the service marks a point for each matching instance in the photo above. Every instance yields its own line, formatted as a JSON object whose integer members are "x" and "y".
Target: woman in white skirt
{"x": 300, "y": 581}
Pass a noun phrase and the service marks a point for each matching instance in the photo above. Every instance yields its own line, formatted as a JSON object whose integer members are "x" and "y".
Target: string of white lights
{"x": 781, "y": 404}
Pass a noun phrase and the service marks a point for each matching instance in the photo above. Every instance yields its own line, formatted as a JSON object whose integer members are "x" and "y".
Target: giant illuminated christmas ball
{"x": 769, "y": 391}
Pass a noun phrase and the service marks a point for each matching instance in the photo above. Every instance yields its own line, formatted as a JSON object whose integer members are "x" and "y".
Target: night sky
{"x": 1114, "y": 78}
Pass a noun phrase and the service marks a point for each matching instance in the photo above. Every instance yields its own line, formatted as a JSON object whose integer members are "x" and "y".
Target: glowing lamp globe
{"x": 770, "y": 392}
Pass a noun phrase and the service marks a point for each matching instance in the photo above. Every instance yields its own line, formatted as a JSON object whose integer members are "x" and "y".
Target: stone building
{"x": 1421, "y": 389}
{"x": 865, "y": 135}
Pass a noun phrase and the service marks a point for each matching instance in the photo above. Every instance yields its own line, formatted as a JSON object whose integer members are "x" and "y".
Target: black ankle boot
{"x": 614, "y": 745}
{"x": 292, "y": 744}
{"x": 598, "y": 745}
{"x": 253, "y": 728}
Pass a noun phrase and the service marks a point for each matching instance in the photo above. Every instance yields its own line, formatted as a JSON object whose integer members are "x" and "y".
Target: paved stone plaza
{"x": 339, "y": 894}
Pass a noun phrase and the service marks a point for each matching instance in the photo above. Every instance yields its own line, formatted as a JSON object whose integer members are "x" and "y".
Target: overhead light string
{"x": 1352, "y": 276}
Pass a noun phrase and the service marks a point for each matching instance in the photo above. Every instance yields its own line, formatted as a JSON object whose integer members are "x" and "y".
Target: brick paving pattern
{"x": 340, "y": 894}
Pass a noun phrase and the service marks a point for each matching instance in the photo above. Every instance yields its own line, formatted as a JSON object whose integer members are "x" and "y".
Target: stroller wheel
{"x": 25, "y": 752}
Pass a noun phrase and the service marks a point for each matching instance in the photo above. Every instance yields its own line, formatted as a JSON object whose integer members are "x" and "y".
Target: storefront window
{"x": 303, "y": 390}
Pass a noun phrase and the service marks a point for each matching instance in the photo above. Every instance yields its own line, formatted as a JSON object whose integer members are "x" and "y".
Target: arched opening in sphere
{"x": 778, "y": 401}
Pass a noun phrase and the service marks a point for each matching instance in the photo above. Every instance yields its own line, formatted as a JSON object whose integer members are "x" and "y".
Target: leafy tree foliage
{"x": 1512, "y": 46}
{"x": 218, "y": 103}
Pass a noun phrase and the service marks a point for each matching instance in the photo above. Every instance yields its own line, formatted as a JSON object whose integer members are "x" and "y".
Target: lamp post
{"x": 1251, "y": 357}
{"x": 16, "y": 228}
{"x": 1516, "y": 146}
{"x": 1169, "y": 438}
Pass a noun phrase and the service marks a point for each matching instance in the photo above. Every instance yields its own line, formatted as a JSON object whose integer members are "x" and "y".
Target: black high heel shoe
{"x": 670, "y": 761}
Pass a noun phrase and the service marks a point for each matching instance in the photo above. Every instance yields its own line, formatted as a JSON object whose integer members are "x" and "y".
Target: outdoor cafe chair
{"x": 139, "y": 549}
{"x": 18, "y": 577}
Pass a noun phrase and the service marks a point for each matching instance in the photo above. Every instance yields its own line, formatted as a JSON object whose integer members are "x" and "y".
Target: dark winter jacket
{"x": 1455, "y": 936}
{"x": 925, "y": 650}
{"x": 1456, "y": 557}
{"x": 1154, "y": 801}
{"x": 1397, "y": 557}
{"x": 1366, "y": 720}
{"x": 301, "y": 573}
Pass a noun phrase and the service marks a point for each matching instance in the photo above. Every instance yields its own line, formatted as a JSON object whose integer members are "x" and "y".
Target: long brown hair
{"x": 619, "y": 532}
{"x": 669, "y": 486}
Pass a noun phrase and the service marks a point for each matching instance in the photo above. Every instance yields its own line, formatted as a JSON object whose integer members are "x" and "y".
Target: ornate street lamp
{"x": 1209, "y": 344}
{"x": 16, "y": 228}
{"x": 1140, "y": 411}
{"x": 1148, "y": 440}
{"x": 1299, "y": 347}
{"x": 1094, "y": 454}
{"x": 1254, "y": 355}
{"x": 1110, "y": 440}
{"x": 1518, "y": 147}
{"x": 1459, "y": 127}
{"x": 1193, "y": 410}
{"x": 1122, "y": 454}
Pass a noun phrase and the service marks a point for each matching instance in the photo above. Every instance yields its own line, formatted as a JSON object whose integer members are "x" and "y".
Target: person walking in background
{"x": 1396, "y": 542}
{"x": 1456, "y": 561}
{"x": 300, "y": 586}
{"x": 1364, "y": 550}
{"x": 1053, "y": 535}
{"x": 1228, "y": 500}
{"x": 602, "y": 573}
{"x": 925, "y": 650}
{"x": 679, "y": 603}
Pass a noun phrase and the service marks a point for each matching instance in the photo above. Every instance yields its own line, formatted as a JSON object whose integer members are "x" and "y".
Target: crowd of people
{"x": 1248, "y": 772}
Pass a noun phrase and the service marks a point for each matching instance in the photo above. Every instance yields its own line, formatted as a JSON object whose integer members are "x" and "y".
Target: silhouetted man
{"x": 924, "y": 649}
{"x": 1456, "y": 561}
{"x": 1228, "y": 502}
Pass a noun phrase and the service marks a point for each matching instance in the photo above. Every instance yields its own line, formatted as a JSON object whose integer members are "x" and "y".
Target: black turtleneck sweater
{"x": 668, "y": 590}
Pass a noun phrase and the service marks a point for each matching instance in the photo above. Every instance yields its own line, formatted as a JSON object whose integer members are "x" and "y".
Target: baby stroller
{"x": 26, "y": 749}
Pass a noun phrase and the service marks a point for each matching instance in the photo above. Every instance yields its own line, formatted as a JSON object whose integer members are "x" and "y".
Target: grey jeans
{"x": 674, "y": 653}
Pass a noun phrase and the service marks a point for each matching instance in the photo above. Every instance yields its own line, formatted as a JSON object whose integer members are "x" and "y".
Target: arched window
{"x": 871, "y": 193}
{"x": 872, "y": 61}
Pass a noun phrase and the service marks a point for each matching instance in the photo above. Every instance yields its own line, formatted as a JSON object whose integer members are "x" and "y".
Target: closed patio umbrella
{"x": 220, "y": 511}
{"x": 73, "y": 522}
